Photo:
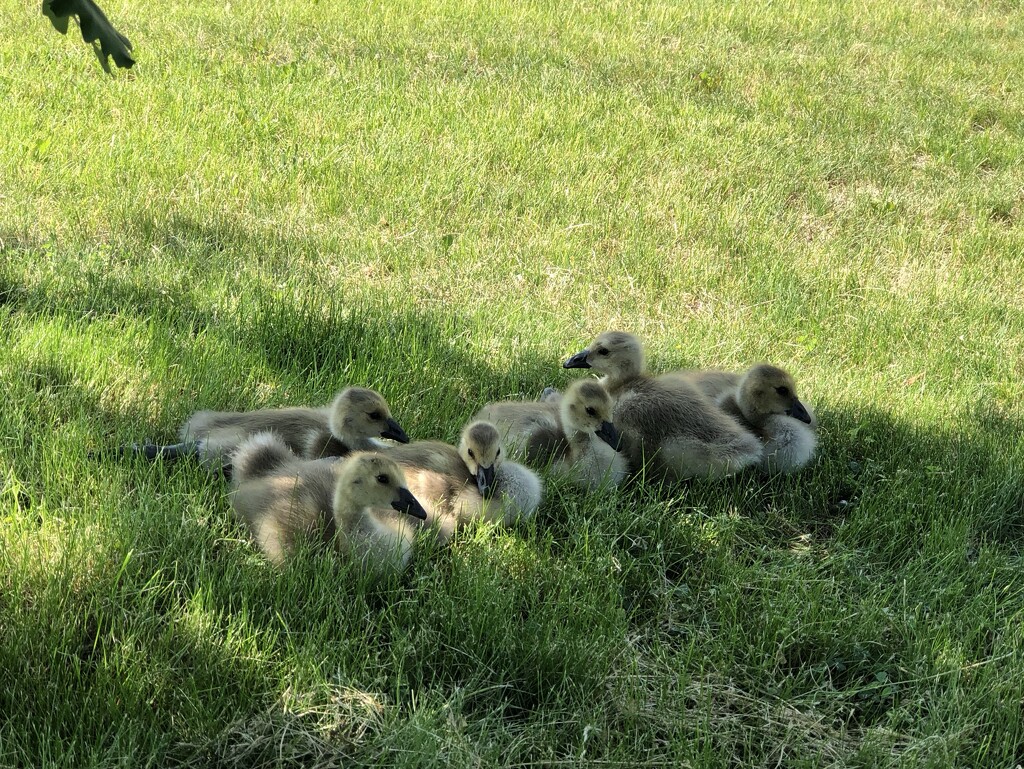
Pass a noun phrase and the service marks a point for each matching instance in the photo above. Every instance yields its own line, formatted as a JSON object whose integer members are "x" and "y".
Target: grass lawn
{"x": 443, "y": 200}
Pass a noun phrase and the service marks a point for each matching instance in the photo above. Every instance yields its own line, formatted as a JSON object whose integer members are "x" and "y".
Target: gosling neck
{"x": 741, "y": 402}
{"x": 616, "y": 381}
{"x": 347, "y": 514}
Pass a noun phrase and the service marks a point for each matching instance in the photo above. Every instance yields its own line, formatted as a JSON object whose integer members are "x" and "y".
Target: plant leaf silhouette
{"x": 96, "y": 29}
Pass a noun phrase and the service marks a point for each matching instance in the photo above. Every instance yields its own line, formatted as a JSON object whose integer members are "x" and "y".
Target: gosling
{"x": 353, "y": 422}
{"x": 360, "y": 506}
{"x": 592, "y": 458}
{"x": 766, "y": 403}
{"x": 572, "y": 433}
{"x": 667, "y": 423}
{"x": 473, "y": 481}
{"x": 530, "y": 429}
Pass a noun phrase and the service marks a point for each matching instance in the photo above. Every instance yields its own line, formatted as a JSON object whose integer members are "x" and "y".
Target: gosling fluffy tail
{"x": 788, "y": 445}
{"x": 260, "y": 455}
{"x": 520, "y": 491}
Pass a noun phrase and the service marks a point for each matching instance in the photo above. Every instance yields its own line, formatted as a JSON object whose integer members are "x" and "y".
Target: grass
{"x": 444, "y": 200}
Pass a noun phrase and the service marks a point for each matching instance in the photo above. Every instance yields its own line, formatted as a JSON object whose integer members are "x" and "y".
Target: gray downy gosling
{"x": 473, "y": 481}
{"x": 355, "y": 421}
{"x": 572, "y": 434}
{"x": 593, "y": 457}
{"x": 766, "y": 403}
{"x": 668, "y": 424}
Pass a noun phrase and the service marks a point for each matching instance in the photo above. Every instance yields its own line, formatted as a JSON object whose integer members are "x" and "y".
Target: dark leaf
{"x": 59, "y": 22}
{"x": 96, "y": 29}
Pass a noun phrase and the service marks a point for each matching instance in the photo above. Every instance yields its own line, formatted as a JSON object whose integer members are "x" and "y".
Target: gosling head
{"x": 768, "y": 390}
{"x": 587, "y": 408}
{"x": 375, "y": 481}
{"x": 614, "y": 354}
{"x": 359, "y": 414}
{"x": 480, "y": 449}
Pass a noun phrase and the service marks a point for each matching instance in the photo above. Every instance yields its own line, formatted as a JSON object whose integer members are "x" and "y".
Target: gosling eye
{"x": 383, "y": 478}
{"x": 591, "y": 411}
{"x": 783, "y": 391}
{"x": 472, "y": 454}
{"x": 498, "y": 454}
{"x": 374, "y": 415}
{"x": 602, "y": 351}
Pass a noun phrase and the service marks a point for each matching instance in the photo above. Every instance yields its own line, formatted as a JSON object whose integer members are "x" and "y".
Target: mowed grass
{"x": 443, "y": 201}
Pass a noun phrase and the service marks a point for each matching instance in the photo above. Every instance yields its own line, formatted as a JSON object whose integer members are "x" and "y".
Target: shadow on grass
{"x": 149, "y": 634}
{"x": 827, "y": 585}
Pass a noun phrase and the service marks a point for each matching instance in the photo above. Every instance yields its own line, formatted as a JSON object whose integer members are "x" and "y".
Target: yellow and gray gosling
{"x": 517, "y": 490}
{"x": 439, "y": 478}
{"x": 668, "y": 424}
{"x": 765, "y": 401}
{"x": 530, "y": 430}
{"x": 572, "y": 433}
{"x": 355, "y": 421}
{"x": 361, "y": 506}
{"x": 458, "y": 485}
{"x": 358, "y": 418}
{"x": 592, "y": 456}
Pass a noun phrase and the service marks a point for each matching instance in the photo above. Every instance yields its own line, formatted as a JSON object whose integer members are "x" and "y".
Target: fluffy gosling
{"x": 361, "y": 506}
{"x": 354, "y": 421}
{"x": 473, "y": 481}
{"x": 668, "y": 424}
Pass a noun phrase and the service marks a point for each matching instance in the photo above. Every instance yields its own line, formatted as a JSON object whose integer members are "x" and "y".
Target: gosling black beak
{"x": 579, "y": 360}
{"x": 485, "y": 481}
{"x": 408, "y": 504}
{"x": 797, "y": 411}
{"x": 394, "y": 432}
{"x": 608, "y": 433}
